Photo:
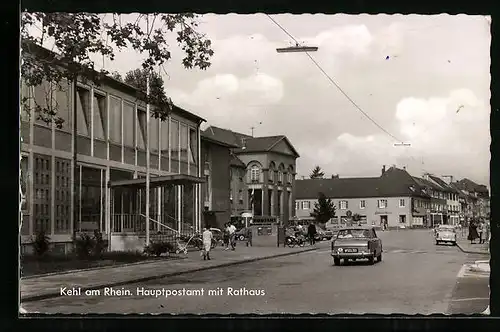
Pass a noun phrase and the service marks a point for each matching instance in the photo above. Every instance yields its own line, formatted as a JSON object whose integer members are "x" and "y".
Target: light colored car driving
{"x": 446, "y": 234}
{"x": 356, "y": 243}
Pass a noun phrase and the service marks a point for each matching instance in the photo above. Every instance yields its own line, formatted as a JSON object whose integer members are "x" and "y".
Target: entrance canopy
{"x": 158, "y": 181}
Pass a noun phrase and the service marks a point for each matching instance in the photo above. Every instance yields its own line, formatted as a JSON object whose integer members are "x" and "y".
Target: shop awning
{"x": 158, "y": 181}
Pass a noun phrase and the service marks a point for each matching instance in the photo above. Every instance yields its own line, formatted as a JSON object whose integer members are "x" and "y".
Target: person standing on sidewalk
{"x": 311, "y": 232}
{"x": 248, "y": 235}
{"x": 480, "y": 229}
{"x": 207, "y": 242}
{"x": 226, "y": 236}
{"x": 232, "y": 237}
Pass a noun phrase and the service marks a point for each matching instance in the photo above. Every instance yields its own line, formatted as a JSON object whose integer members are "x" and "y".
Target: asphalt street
{"x": 414, "y": 277}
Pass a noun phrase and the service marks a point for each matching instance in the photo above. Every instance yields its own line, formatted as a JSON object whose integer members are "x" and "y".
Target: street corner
{"x": 471, "y": 294}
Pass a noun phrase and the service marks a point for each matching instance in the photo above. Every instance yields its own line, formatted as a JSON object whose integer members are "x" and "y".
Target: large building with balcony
{"x": 476, "y": 199}
{"x": 262, "y": 174}
{"x": 106, "y": 142}
{"x": 394, "y": 199}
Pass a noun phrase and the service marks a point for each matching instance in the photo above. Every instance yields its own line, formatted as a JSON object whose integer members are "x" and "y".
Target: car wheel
{"x": 242, "y": 238}
{"x": 371, "y": 260}
{"x": 336, "y": 261}
{"x": 379, "y": 257}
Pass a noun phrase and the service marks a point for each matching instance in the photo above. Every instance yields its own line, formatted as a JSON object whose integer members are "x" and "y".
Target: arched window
{"x": 254, "y": 173}
{"x": 271, "y": 171}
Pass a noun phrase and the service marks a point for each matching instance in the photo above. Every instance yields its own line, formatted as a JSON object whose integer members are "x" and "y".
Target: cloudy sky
{"x": 424, "y": 79}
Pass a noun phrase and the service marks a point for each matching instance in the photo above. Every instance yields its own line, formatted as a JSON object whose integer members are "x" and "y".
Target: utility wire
{"x": 335, "y": 83}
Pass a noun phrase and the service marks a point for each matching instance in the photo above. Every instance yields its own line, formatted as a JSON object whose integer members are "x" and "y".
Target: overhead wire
{"x": 335, "y": 83}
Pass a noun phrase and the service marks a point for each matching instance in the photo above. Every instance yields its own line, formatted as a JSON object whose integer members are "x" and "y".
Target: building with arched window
{"x": 262, "y": 174}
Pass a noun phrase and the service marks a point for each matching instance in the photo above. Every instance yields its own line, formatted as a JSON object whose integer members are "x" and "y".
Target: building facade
{"x": 109, "y": 150}
{"x": 394, "y": 199}
{"x": 217, "y": 194}
{"x": 262, "y": 173}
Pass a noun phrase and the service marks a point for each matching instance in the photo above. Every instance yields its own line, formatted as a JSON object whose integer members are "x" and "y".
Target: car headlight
{"x": 340, "y": 249}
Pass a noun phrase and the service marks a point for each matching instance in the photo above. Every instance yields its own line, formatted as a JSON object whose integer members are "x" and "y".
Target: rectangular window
{"x": 297, "y": 205}
{"x": 174, "y": 139}
{"x": 83, "y": 112}
{"x": 240, "y": 196}
{"x": 62, "y": 200}
{"x": 62, "y": 104}
{"x": 402, "y": 219}
{"x": 362, "y": 204}
{"x": 280, "y": 176}
{"x": 343, "y": 205}
{"x": 154, "y": 141}
{"x": 115, "y": 120}
{"x": 184, "y": 143}
{"x": 271, "y": 175}
{"x": 382, "y": 203}
{"x": 42, "y": 193}
{"x": 24, "y": 183}
{"x": 141, "y": 129}
{"x": 128, "y": 124}
{"x": 306, "y": 205}
{"x": 100, "y": 115}
{"x": 42, "y": 100}
{"x": 193, "y": 146}
{"x": 401, "y": 203}
{"x": 164, "y": 137}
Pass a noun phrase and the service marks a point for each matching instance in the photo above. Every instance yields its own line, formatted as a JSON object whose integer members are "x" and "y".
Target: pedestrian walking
{"x": 232, "y": 236}
{"x": 225, "y": 236}
{"x": 480, "y": 230}
{"x": 248, "y": 235}
{"x": 207, "y": 237}
{"x": 311, "y": 232}
{"x": 472, "y": 232}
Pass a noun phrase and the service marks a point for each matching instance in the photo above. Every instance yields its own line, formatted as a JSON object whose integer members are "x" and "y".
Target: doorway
{"x": 383, "y": 222}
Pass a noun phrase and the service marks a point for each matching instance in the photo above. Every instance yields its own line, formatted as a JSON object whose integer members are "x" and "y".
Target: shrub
{"x": 159, "y": 247}
{"x": 100, "y": 244}
{"x": 84, "y": 246}
{"x": 41, "y": 243}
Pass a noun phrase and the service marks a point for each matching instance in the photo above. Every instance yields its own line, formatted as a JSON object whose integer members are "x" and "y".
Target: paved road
{"x": 415, "y": 276}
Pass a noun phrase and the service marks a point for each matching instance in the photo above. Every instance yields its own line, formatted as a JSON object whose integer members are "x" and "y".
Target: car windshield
{"x": 353, "y": 233}
{"x": 446, "y": 229}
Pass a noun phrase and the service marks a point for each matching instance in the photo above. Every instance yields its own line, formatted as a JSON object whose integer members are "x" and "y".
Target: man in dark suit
{"x": 311, "y": 232}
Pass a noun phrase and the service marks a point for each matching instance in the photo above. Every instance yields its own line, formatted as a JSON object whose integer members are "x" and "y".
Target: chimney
{"x": 404, "y": 168}
{"x": 426, "y": 176}
{"x": 383, "y": 170}
{"x": 335, "y": 176}
{"x": 243, "y": 143}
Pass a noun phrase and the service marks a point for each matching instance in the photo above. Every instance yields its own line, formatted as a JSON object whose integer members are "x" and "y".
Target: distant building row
{"x": 396, "y": 199}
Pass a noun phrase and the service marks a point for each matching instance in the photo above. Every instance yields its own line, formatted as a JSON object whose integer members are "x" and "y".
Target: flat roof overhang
{"x": 157, "y": 181}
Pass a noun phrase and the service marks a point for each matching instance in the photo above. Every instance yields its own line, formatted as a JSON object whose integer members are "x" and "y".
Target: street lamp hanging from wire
{"x": 297, "y": 48}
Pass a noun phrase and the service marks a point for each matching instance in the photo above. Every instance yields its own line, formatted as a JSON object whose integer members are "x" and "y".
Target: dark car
{"x": 354, "y": 243}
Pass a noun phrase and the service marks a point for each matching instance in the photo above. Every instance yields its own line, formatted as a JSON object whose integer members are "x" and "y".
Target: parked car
{"x": 447, "y": 234}
{"x": 323, "y": 235}
{"x": 218, "y": 235}
{"x": 357, "y": 242}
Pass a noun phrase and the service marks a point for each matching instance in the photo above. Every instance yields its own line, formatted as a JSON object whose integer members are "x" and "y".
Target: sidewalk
{"x": 43, "y": 287}
{"x": 474, "y": 248}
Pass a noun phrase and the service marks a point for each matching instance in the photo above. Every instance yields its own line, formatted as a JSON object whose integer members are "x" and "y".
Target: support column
{"x": 265, "y": 202}
{"x": 273, "y": 202}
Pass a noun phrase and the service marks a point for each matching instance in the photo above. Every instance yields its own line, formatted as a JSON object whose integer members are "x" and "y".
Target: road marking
{"x": 471, "y": 299}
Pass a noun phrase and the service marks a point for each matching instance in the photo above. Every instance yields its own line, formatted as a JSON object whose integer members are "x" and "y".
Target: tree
{"x": 317, "y": 173}
{"x": 79, "y": 37}
{"x": 324, "y": 209}
{"x": 138, "y": 79}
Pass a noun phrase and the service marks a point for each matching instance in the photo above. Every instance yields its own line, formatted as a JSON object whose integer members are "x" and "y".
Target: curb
{"x": 96, "y": 268}
{"x": 50, "y": 295}
{"x": 471, "y": 252}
